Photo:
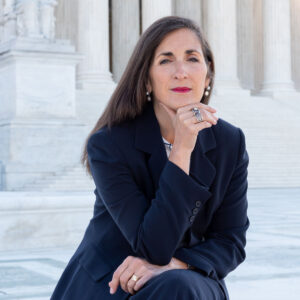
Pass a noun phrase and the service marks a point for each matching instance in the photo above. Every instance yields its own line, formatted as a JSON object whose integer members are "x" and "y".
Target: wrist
{"x": 178, "y": 264}
{"x": 181, "y": 158}
{"x": 180, "y": 151}
{"x": 189, "y": 267}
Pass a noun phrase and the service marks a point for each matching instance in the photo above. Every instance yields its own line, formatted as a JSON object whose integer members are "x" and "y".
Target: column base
{"x": 90, "y": 104}
{"x": 229, "y": 87}
{"x": 278, "y": 90}
{"x": 96, "y": 82}
{"x": 222, "y": 91}
{"x": 291, "y": 94}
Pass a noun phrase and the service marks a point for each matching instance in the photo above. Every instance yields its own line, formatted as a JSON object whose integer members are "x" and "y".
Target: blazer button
{"x": 192, "y": 218}
{"x": 195, "y": 211}
{"x": 198, "y": 203}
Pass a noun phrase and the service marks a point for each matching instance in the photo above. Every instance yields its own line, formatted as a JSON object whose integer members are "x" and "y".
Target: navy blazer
{"x": 147, "y": 206}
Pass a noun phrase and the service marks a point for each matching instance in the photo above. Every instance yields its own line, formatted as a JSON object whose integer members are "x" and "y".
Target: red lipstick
{"x": 181, "y": 89}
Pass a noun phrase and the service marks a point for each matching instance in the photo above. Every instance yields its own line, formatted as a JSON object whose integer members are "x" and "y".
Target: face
{"x": 178, "y": 73}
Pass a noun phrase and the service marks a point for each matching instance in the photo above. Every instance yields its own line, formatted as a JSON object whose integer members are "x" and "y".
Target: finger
{"x": 114, "y": 283}
{"x": 207, "y": 107}
{"x": 201, "y": 125}
{"x": 140, "y": 272}
{"x": 190, "y": 118}
{"x": 207, "y": 116}
{"x": 199, "y": 105}
{"x": 130, "y": 285}
{"x": 141, "y": 282}
{"x": 189, "y": 115}
{"x": 204, "y": 112}
{"x": 185, "y": 115}
{"x": 124, "y": 278}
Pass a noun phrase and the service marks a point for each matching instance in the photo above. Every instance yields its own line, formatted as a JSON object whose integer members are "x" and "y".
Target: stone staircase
{"x": 272, "y": 130}
{"x": 68, "y": 179}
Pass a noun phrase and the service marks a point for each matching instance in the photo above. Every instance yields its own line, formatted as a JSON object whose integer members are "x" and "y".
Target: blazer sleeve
{"x": 153, "y": 227}
{"x": 223, "y": 247}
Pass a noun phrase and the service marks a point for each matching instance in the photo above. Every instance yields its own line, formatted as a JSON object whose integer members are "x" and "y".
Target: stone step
{"x": 67, "y": 179}
{"x": 58, "y": 184}
{"x": 45, "y": 185}
{"x": 61, "y": 182}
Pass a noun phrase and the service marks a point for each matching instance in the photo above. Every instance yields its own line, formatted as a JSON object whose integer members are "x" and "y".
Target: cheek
{"x": 160, "y": 79}
{"x": 200, "y": 71}
{"x": 199, "y": 75}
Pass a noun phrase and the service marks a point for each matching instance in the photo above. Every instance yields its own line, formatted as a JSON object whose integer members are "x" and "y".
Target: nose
{"x": 180, "y": 71}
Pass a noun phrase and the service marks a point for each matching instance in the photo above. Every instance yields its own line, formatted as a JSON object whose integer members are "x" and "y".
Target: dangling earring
{"x": 148, "y": 96}
{"x": 206, "y": 93}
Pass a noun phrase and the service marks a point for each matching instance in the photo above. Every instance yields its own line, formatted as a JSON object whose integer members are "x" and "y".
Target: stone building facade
{"x": 61, "y": 59}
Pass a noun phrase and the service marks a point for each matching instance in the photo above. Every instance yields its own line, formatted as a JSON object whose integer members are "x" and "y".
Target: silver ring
{"x": 197, "y": 114}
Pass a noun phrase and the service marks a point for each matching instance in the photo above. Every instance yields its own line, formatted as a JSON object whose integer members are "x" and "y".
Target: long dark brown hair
{"x": 129, "y": 97}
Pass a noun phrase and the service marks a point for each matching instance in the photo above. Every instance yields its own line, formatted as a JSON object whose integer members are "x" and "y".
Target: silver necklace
{"x": 169, "y": 145}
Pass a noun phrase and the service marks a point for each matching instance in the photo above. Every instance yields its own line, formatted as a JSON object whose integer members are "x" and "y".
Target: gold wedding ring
{"x": 134, "y": 278}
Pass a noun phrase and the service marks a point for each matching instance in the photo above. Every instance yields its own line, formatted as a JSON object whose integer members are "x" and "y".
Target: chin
{"x": 188, "y": 102}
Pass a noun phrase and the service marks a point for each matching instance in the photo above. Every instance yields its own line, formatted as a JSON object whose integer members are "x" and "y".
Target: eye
{"x": 164, "y": 61}
{"x": 193, "y": 59}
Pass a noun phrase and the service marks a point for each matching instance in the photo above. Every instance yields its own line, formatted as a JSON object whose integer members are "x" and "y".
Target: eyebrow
{"x": 189, "y": 51}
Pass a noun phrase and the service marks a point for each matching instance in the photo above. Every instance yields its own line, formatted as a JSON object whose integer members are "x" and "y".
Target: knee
{"x": 180, "y": 284}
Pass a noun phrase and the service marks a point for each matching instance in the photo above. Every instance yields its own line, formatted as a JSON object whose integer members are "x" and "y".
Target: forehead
{"x": 179, "y": 39}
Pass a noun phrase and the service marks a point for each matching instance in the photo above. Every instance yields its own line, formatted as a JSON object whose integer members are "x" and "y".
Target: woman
{"x": 170, "y": 215}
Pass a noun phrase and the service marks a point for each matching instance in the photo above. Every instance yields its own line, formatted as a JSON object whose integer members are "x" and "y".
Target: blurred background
{"x": 60, "y": 61}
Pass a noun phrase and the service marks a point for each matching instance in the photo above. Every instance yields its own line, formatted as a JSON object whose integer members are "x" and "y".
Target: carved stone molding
{"x": 47, "y": 18}
{"x": 35, "y": 18}
{"x": 8, "y": 19}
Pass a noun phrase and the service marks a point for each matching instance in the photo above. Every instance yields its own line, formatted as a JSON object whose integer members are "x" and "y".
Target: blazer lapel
{"x": 201, "y": 168}
{"x": 148, "y": 139}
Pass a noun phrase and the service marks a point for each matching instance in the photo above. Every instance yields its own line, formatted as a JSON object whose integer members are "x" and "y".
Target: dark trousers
{"x": 180, "y": 285}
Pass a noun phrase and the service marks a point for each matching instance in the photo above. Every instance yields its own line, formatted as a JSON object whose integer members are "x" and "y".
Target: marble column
{"x": 257, "y": 46}
{"x": 28, "y": 19}
{"x": 125, "y": 33}
{"x": 295, "y": 20}
{"x": 191, "y": 9}
{"x": 221, "y": 29}
{"x": 245, "y": 47}
{"x": 277, "y": 77}
{"x": 93, "y": 44}
{"x": 66, "y": 20}
{"x": 47, "y": 18}
{"x": 153, "y": 10}
{"x": 9, "y": 20}
{"x": 1, "y": 21}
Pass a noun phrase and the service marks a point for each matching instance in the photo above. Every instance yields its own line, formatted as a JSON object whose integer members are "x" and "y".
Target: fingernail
{"x": 111, "y": 290}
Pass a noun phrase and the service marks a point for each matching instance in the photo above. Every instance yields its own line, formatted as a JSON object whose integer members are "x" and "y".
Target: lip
{"x": 181, "y": 89}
